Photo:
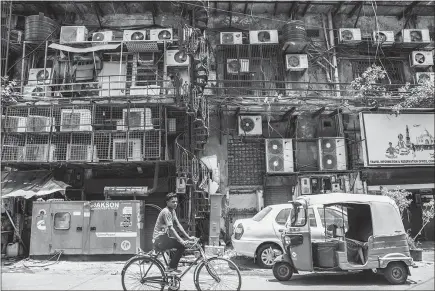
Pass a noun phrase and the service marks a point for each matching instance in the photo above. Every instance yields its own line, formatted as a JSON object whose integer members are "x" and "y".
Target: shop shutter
{"x": 151, "y": 214}
{"x": 276, "y": 195}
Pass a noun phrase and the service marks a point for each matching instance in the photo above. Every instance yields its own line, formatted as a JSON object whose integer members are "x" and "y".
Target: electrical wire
{"x": 58, "y": 254}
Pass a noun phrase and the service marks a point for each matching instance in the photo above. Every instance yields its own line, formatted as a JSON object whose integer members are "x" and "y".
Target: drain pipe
{"x": 334, "y": 55}
{"x": 156, "y": 179}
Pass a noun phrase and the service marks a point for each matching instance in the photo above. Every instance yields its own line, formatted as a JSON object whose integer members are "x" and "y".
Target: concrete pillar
{"x": 215, "y": 218}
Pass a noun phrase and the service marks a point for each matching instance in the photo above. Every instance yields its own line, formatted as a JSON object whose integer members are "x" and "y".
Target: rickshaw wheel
{"x": 396, "y": 273}
{"x": 282, "y": 271}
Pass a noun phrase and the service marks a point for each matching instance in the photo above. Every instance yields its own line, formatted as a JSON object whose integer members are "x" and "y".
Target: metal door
{"x": 126, "y": 228}
{"x": 277, "y": 195}
{"x": 41, "y": 229}
{"x": 300, "y": 238}
{"x": 102, "y": 227}
{"x": 67, "y": 227}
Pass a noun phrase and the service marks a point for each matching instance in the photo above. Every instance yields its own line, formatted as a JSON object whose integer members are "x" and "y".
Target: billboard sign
{"x": 396, "y": 141}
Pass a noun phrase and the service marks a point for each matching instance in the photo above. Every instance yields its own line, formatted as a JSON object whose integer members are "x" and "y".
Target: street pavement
{"x": 66, "y": 275}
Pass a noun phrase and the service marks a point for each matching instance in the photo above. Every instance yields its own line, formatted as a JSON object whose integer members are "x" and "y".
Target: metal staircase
{"x": 190, "y": 144}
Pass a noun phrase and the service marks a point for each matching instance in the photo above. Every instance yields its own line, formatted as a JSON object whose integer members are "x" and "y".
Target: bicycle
{"x": 149, "y": 271}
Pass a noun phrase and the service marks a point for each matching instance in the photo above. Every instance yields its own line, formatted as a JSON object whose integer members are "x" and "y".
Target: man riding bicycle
{"x": 166, "y": 237}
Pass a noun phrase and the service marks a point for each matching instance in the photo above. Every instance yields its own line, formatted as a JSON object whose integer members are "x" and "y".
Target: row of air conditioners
{"x": 255, "y": 37}
{"x": 46, "y": 153}
{"x": 293, "y": 62}
{"x": 279, "y": 155}
{"x": 75, "y": 152}
{"x": 79, "y": 120}
{"x": 384, "y": 37}
{"x": 73, "y": 34}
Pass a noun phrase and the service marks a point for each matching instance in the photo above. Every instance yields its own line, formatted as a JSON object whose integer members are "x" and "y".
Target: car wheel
{"x": 396, "y": 273}
{"x": 282, "y": 271}
{"x": 266, "y": 255}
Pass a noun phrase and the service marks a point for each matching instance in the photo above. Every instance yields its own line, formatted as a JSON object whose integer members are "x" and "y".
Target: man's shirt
{"x": 165, "y": 219}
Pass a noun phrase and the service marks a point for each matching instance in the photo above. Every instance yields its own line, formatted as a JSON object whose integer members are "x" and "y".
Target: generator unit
{"x": 87, "y": 227}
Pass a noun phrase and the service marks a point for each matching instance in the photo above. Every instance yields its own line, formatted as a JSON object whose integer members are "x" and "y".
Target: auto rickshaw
{"x": 369, "y": 237}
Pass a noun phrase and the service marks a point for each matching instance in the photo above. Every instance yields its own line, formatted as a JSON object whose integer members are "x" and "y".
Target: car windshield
{"x": 260, "y": 215}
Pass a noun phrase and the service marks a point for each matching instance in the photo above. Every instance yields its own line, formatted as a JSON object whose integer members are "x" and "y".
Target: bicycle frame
{"x": 202, "y": 259}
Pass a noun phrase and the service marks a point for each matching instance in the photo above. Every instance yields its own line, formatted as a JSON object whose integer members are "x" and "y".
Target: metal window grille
{"x": 394, "y": 69}
{"x": 250, "y": 69}
{"x": 246, "y": 162}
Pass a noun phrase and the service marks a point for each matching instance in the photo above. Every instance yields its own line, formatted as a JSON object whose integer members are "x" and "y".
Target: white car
{"x": 259, "y": 237}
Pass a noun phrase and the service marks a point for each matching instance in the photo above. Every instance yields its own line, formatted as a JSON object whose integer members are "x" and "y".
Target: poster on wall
{"x": 396, "y": 141}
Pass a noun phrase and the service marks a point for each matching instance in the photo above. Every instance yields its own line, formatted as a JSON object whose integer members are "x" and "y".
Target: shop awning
{"x": 85, "y": 49}
{"x": 30, "y": 183}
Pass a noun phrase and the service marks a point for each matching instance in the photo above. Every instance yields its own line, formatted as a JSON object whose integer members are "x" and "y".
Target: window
{"x": 394, "y": 69}
{"x": 62, "y": 220}
{"x": 312, "y": 217}
{"x": 298, "y": 216}
{"x": 260, "y": 215}
{"x": 332, "y": 217}
{"x": 282, "y": 216}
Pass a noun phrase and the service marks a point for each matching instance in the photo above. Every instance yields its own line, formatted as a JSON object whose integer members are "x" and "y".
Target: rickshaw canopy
{"x": 386, "y": 217}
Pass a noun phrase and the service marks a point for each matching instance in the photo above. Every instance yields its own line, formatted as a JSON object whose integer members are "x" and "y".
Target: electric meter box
{"x": 87, "y": 227}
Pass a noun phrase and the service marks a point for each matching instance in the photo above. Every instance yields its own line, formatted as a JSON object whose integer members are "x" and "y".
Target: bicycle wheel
{"x": 143, "y": 273}
{"x": 218, "y": 274}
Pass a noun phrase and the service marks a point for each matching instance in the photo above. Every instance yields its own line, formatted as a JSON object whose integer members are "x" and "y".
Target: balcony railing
{"x": 114, "y": 87}
{"x": 84, "y": 133}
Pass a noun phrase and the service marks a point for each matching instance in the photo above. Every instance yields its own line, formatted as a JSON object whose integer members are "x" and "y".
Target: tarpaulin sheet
{"x": 30, "y": 183}
{"x": 84, "y": 50}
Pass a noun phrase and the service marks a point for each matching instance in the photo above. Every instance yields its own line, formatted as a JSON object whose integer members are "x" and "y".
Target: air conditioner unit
{"x": 425, "y": 76}
{"x": 102, "y": 36}
{"x": 135, "y": 119}
{"x": 37, "y": 123}
{"x": 16, "y": 123}
{"x": 71, "y": 34}
{"x": 349, "y": 35}
{"x": 279, "y": 155}
{"x": 12, "y": 153}
{"x": 145, "y": 90}
{"x": 421, "y": 59}
{"x": 231, "y": 38}
{"x": 81, "y": 152}
{"x": 75, "y": 120}
{"x": 34, "y": 91}
{"x": 122, "y": 152}
{"x": 37, "y": 76}
{"x": 39, "y": 153}
{"x": 383, "y": 38}
{"x": 416, "y": 35}
{"x": 250, "y": 125}
{"x": 161, "y": 34}
{"x": 305, "y": 184}
{"x": 134, "y": 35}
{"x": 235, "y": 66}
{"x": 332, "y": 154}
{"x": 296, "y": 62}
{"x": 180, "y": 185}
{"x": 176, "y": 58}
{"x": 263, "y": 36}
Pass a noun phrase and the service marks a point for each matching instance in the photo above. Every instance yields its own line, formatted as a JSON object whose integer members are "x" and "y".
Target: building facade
{"x": 254, "y": 101}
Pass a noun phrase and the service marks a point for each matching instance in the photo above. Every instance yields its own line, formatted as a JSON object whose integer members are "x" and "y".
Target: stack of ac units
{"x": 123, "y": 151}
{"x": 349, "y": 36}
{"x": 135, "y": 119}
{"x": 81, "y": 153}
{"x": 421, "y": 59}
{"x": 73, "y": 34}
{"x": 279, "y": 156}
{"x": 250, "y": 125}
{"x": 332, "y": 154}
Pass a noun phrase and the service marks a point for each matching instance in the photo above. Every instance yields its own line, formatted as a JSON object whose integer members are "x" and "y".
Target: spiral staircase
{"x": 190, "y": 144}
